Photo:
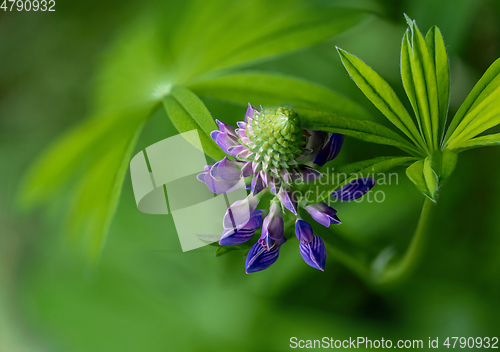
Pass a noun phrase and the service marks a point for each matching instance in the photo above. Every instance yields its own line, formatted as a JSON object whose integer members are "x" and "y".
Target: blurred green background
{"x": 147, "y": 295}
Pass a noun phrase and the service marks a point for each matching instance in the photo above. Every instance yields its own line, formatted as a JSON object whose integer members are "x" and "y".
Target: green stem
{"x": 403, "y": 267}
{"x": 348, "y": 261}
{"x": 396, "y": 271}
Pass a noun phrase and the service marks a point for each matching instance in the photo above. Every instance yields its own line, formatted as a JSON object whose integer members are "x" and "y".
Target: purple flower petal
{"x": 201, "y": 177}
{"x": 240, "y": 235}
{"x": 225, "y": 128}
{"x": 236, "y": 149}
{"x": 273, "y": 225}
{"x": 246, "y": 170}
{"x": 243, "y": 155}
{"x": 274, "y": 184}
{"x": 236, "y": 236}
{"x": 354, "y": 189}
{"x": 309, "y": 174}
{"x": 315, "y": 143}
{"x": 314, "y": 253}
{"x": 264, "y": 177}
{"x": 241, "y": 132}
{"x": 259, "y": 258}
{"x": 226, "y": 170}
{"x": 250, "y": 112}
{"x": 257, "y": 184}
{"x": 219, "y": 186}
{"x": 323, "y": 214}
{"x": 331, "y": 149}
{"x": 303, "y": 231}
{"x": 285, "y": 175}
{"x": 239, "y": 212}
{"x": 224, "y": 140}
{"x": 256, "y": 167}
{"x": 288, "y": 200}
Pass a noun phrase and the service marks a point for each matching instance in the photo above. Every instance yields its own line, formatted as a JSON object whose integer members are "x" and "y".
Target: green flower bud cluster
{"x": 276, "y": 137}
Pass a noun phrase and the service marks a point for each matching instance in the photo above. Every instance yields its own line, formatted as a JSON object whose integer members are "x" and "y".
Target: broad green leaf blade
{"x": 98, "y": 194}
{"x": 58, "y": 163}
{"x": 134, "y": 70}
{"x": 97, "y": 154}
{"x": 365, "y": 130}
{"x": 423, "y": 87}
{"x": 320, "y": 190}
{"x": 483, "y": 141}
{"x": 482, "y": 117}
{"x": 437, "y": 51}
{"x": 72, "y": 152}
{"x": 406, "y": 77}
{"x": 265, "y": 29}
{"x": 182, "y": 40}
{"x": 277, "y": 89}
{"x": 488, "y": 83}
{"x": 381, "y": 95}
{"x": 187, "y": 112}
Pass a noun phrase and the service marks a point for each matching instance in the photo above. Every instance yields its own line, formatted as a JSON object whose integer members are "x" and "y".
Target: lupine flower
{"x": 271, "y": 151}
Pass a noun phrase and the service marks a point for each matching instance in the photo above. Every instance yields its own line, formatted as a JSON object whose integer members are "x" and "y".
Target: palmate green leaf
{"x": 96, "y": 154}
{"x": 182, "y": 40}
{"x": 365, "y": 130}
{"x": 73, "y": 152}
{"x": 173, "y": 44}
{"x": 59, "y": 162}
{"x": 484, "y": 88}
{"x": 277, "y": 89}
{"x": 439, "y": 56}
{"x": 321, "y": 189}
{"x": 187, "y": 112}
{"x": 98, "y": 194}
{"x": 482, "y": 117}
{"x": 483, "y": 141}
{"x": 258, "y": 30}
{"x": 419, "y": 78}
{"x": 381, "y": 95}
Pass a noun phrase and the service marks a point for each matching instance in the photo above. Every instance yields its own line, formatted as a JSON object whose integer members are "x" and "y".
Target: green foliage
{"x": 172, "y": 55}
{"x": 425, "y": 74}
{"x": 380, "y": 94}
{"x": 102, "y": 148}
{"x": 150, "y": 65}
{"x": 424, "y": 177}
{"x": 484, "y": 141}
{"x": 187, "y": 112}
{"x": 366, "y": 130}
{"x": 482, "y": 92}
{"x": 437, "y": 52}
{"x": 276, "y": 90}
{"x": 419, "y": 79}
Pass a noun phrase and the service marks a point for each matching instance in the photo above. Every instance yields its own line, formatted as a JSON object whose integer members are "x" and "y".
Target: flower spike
{"x": 271, "y": 154}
